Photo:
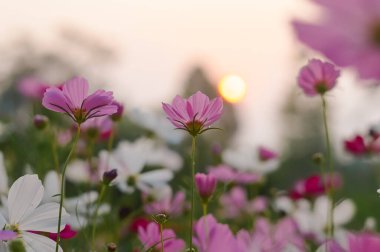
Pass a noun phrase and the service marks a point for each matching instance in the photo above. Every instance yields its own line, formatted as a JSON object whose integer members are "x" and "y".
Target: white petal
{"x": 3, "y": 247}
{"x": 44, "y": 218}
{"x": 80, "y": 204}
{"x": 38, "y": 243}
{"x": 2, "y": 221}
{"x": 78, "y": 171}
{"x": 52, "y": 187}
{"x": 3, "y": 176}
{"x": 156, "y": 177}
{"x": 123, "y": 187}
{"x": 132, "y": 155}
{"x": 344, "y": 212}
{"x": 24, "y": 196}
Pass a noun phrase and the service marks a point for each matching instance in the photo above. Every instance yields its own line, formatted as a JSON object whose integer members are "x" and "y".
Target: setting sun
{"x": 232, "y": 88}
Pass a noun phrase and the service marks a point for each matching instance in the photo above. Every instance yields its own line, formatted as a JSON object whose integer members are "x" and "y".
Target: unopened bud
{"x": 111, "y": 247}
{"x": 40, "y": 121}
{"x": 318, "y": 158}
{"x": 160, "y": 218}
{"x": 109, "y": 176}
{"x": 119, "y": 113}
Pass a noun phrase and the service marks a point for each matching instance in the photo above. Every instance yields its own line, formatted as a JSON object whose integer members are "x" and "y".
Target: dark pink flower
{"x": 66, "y": 233}
{"x": 119, "y": 113}
{"x": 356, "y": 146}
{"x": 317, "y": 77}
{"x": 32, "y": 87}
{"x": 7, "y": 235}
{"x": 211, "y": 236}
{"x": 205, "y": 184}
{"x": 367, "y": 242}
{"x": 138, "y": 222}
{"x": 194, "y": 114}
{"x": 313, "y": 186}
{"x": 349, "y": 34}
{"x": 227, "y": 174}
{"x": 150, "y": 237}
{"x": 73, "y": 100}
{"x": 265, "y": 154}
{"x": 169, "y": 204}
{"x": 98, "y": 127}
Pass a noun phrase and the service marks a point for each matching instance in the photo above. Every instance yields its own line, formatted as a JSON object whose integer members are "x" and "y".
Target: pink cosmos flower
{"x": 283, "y": 236}
{"x": 355, "y": 146}
{"x": 211, "y": 236}
{"x": 317, "y": 77}
{"x": 66, "y": 233}
{"x": 150, "y": 237}
{"x": 194, "y": 114}
{"x": 349, "y": 34}
{"x": 205, "y": 184}
{"x": 119, "y": 113}
{"x": 227, "y": 174}
{"x": 313, "y": 186}
{"x": 32, "y": 87}
{"x": 73, "y": 100}
{"x": 169, "y": 204}
{"x": 356, "y": 242}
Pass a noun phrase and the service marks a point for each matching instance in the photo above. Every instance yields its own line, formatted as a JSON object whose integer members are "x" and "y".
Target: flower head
{"x": 73, "y": 100}
{"x": 317, "y": 77}
{"x": 206, "y": 184}
{"x": 348, "y": 34}
{"x": 32, "y": 87}
{"x": 194, "y": 114}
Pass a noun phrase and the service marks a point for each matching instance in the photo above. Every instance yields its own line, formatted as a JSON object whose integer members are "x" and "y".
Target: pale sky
{"x": 159, "y": 41}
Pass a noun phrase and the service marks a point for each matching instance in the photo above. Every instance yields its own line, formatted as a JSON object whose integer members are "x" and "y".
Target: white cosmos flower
{"x": 80, "y": 208}
{"x": 313, "y": 220}
{"x": 129, "y": 159}
{"x": 23, "y": 213}
{"x": 3, "y": 176}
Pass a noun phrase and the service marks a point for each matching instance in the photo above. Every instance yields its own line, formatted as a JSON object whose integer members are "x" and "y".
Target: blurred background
{"x": 149, "y": 51}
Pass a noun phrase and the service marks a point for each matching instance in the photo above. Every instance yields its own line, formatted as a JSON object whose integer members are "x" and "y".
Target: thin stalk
{"x": 162, "y": 240}
{"x": 192, "y": 191}
{"x": 99, "y": 201}
{"x": 330, "y": 163}
{"x": 63, "y": 186}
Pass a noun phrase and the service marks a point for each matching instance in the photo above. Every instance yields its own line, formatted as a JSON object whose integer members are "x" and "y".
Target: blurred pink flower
{"x": 313, "y": 186}
{"x": 32, "y": 87}
{"x": 119, "y": 113}
{"x": 98, "y": 127}
{"x": 194, "y": 114}
{"x": 150, "y": 237}
{"x": 211, "y": 236}
{"x": 205, "y": 184}
{"x": 66, "y": 233}
{"x": 227, "y": 174}
{"x": 266, "y": 154}
{"x": 74, "y": 101}
{"x": 367, "y": 242}
{"x": 356, "y": 145}
{"x": 283, "y": 236}
{"x": 169, "y": 204}
{"x": 349, "y": 34}
{"x": 317, "y": 77}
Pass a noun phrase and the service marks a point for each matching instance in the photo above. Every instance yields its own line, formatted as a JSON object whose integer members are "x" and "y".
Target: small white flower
{"x": 23, "y": 213}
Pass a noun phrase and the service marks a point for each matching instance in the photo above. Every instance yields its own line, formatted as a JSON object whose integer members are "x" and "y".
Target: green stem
{"x": 63, "y": 186}
{"x": 162, "y": 240}
{"x": 99, "y": 201}
{"x": 330, "y": 189}
{"x": 192, "y": 192}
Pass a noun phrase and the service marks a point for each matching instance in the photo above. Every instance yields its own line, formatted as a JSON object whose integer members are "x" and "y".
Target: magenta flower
{"x": 66, "y": 233}
{"x": 349, "y": 34}
{"x": 266, "y": 154}
{"x": 98, "y": 127}
{"x": 211, "y": 236}
{"x": 194, "y": 114}
{"x": 119, "y": 113}
{"x": 227, "y": 174}
{"x": 284, "y": 236}
{"x": 150, "y": 237}
{"x": 356, "y": 242}
{"x": 206, "y": 184}
{"x": 169, "y": 204}
{"x": 317, "y": 77}
{"x": 32, "y": 87}
{"x": 356, "y": 146}
{"x": 73, "y": 100}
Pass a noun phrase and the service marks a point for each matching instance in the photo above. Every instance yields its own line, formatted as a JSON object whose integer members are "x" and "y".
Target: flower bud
{"x": 206, "y": 184}
{"x": 318, "y": 158}
{"x": 111, "y": 247}
{"x": 119, "y": 113}
{"x": 40, "y": 121}
{"x": 109, "y": 176}
{"x": 160, "y": 218}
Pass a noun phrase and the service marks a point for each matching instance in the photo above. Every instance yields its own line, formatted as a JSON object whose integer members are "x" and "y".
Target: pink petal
{"x": 76, "y": 90}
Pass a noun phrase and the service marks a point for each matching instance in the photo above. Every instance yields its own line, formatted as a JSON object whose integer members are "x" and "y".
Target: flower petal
{"x": 24, "y": 196}
{"x": 38, "y": 243}
{"x": 55, "y": 100}
{"x": 44, "y": 218}
{"x": 75, "y": 90}
{"x": 3, "y": 176}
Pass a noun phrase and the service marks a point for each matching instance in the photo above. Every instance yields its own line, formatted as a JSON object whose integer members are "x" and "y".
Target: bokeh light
{"x": 232, "y": 88}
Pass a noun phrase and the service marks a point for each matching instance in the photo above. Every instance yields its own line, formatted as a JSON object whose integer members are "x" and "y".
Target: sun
{"x": 232, "y": 88}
